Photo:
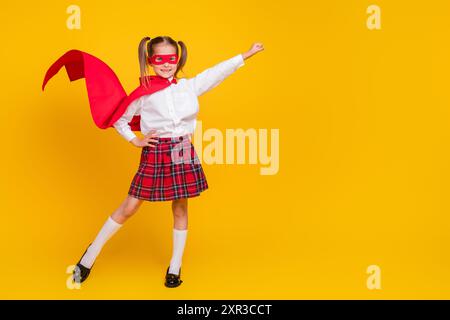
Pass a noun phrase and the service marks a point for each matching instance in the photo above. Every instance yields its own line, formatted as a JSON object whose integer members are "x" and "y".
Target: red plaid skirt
{"x": 170, "y": 170}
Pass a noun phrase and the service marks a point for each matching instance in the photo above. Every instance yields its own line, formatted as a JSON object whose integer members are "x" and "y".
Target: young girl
{"x": 169, "y": 168}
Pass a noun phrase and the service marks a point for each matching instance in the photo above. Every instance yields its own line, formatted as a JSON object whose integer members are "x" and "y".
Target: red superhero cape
{"x": 107, "y": 97}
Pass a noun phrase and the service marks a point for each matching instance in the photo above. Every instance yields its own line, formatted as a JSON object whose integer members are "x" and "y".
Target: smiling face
{"x": 166, "y": 69}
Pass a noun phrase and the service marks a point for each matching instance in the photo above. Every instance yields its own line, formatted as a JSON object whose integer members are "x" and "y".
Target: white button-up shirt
{"x": 173, "y": 110}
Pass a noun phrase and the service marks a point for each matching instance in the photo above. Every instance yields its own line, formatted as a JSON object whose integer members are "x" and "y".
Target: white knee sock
{"x": 107, "y": 231}
{"x": 179, "y": 241}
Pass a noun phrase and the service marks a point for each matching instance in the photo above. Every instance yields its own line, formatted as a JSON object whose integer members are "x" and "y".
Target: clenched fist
{"x": 255, "y": 48}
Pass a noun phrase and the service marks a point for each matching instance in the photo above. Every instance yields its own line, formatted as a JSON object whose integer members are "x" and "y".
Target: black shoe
{"x": 81, "y": 273}
{"x": 172, "y": 280}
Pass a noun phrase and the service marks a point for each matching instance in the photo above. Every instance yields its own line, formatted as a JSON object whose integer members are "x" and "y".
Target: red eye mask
{"x": 163, "y": 58}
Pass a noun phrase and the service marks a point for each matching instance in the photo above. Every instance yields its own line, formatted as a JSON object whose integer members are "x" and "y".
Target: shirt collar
{"x": 170, "y": 79}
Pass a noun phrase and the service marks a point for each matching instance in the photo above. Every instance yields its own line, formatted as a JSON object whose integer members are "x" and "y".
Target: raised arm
{"x": 211, "y": 77}
{"x": 122, "y": 126}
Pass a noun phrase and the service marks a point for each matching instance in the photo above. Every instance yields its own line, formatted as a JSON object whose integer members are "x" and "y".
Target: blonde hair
{"x": 146, "y": 50}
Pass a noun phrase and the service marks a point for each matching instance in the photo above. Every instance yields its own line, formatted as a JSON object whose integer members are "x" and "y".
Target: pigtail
{"x": 142, "y": 54}
{"x": 183, "y": 58}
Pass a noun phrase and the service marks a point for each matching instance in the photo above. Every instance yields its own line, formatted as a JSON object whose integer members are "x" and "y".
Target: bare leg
{"x": 127, "y": 209}
{"x": 180, "y": 215}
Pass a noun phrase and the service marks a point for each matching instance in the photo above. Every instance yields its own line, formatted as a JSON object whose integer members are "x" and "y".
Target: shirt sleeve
{"x": 122, "y": 126}
{"x": 211, "y": 77}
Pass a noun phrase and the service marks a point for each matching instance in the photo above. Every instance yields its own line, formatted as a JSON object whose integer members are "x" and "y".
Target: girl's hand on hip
{"x": 147, "y": 141}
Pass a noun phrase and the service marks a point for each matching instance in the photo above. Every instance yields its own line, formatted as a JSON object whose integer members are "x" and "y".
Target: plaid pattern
{"x": 170, "y": 170}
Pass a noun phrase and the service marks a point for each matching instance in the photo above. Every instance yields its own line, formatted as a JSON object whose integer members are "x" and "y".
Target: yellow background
{"x": 364, "y": 162}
